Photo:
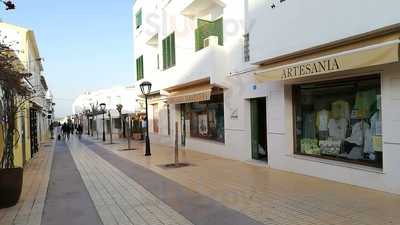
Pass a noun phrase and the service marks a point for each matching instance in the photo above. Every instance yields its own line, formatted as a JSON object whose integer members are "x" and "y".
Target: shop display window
{"x": 340, "y": 120}
{"x": 206, "y": 119}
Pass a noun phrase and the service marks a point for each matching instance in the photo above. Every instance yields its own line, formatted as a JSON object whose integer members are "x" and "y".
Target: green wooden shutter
{"x": 219, "y": 30}
{"x": 173, "y": 49}
{"x": 164, "y": 46}
{"x": 139, "y": 68}
{"x": 169, "y": 59}
{"x": 139, "y": 19}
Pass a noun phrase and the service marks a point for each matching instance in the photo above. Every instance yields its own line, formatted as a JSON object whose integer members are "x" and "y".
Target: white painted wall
{"x": 297, "y": 24}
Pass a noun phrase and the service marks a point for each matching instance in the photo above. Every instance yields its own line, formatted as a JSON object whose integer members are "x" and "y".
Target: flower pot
{"x": 10, "y": 186}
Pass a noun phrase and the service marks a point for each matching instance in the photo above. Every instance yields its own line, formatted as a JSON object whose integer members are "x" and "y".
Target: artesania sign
{"x": 312, "y": 68}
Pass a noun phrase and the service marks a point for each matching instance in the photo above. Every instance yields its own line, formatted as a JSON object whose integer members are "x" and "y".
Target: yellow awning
{"x": 373, "y": 55}
{"x": 191, "y": 94}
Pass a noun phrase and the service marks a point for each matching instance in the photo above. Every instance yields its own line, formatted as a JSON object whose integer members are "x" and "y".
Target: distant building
{"x": 38, "y": 113}
{"x": 125, "y": 96}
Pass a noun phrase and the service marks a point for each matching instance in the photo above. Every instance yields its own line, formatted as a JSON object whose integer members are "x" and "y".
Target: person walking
{"x": 79, "y": 130}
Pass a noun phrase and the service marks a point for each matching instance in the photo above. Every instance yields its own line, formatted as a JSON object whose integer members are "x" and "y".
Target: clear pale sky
{"x": 86, "y": 44}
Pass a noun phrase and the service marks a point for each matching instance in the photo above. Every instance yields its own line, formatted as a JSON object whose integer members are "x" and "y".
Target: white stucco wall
{"x": 295, "y": 25}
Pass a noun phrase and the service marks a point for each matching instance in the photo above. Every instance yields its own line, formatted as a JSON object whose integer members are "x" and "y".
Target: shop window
{"x": 205, "y": 29}
{"x": 168, "y": 45}
{"x": 340, "y": 120}
{"x": 139, "y": 68}
{"x": 207, "y": 118}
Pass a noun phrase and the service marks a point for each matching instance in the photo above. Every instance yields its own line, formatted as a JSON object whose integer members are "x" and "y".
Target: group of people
{"x": 69, "y": 128}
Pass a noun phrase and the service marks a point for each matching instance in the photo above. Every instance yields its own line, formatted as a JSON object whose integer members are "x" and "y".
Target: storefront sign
{"x": 314, "y": 68}
{"x": 378, "y": 54}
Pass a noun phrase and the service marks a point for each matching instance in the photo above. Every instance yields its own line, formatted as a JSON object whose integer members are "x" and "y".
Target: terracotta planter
{"x": 10, "y": 186}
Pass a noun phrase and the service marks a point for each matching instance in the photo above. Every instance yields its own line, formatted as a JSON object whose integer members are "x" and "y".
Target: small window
{"x": 139, "y": 19}
{"x": 139, "y": 68}
{"x": 168, "y": 46}
{"x": 246, "y": 47}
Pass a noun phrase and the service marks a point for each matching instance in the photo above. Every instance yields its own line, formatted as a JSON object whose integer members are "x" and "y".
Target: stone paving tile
{"x": 270, "y": 196}
{"x": 29, "y": 209}
{"x": 117, "y": 198}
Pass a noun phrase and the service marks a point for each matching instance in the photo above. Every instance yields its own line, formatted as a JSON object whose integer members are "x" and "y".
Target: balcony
{"x": 194, "y": 8}
{"x": 207, "y": 63}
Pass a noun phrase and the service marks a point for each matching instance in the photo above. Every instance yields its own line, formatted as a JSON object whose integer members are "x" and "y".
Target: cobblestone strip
{"x": 118, "y": 198}
{"x": 36, "y": 179}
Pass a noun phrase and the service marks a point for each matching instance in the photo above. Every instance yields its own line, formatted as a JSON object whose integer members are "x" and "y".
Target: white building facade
{"x": 304, "y": 88}
{"x": 125, "y": 96}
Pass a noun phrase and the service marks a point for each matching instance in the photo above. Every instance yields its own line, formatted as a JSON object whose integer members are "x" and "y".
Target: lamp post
{"x": 145, "y": 87}
{"x": 87, "y": 113}
{"x": 111, "y": 124}
{"x": 119, "y": 109}
{"x": 103, "y": 110}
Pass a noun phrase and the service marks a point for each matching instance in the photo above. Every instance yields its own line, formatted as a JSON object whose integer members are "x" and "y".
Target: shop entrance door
{"x": 259, "y": 149}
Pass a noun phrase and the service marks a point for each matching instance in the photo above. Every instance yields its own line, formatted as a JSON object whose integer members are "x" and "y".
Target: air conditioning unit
{"x": 210, "y": 41}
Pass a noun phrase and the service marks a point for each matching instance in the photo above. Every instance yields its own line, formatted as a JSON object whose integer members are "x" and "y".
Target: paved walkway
{"x": 270, "y": 196}
{"x": 88, "y": 183}
{"x": 68, "y": 201}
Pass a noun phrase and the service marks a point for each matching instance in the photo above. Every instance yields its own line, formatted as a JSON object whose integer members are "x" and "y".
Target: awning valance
{"x": 196, "y": 93}
{"x": 373, "y": 55}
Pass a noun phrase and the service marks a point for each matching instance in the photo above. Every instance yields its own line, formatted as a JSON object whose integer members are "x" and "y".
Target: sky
{"x": 86, "y": 44}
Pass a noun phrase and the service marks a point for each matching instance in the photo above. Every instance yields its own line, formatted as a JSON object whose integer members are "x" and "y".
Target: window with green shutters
{"x": 139, "y": 68}
{"x": 139, "y": 19}
{"x": 206, "y": 29}
{"x": 168, "y": 47}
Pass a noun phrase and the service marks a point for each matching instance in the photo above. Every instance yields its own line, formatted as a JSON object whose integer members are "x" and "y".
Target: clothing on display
{"x": 338, "y": 128}
{"x": 340, "y": 110}
{"x": 364, "y": 101}
{"x": 330, "y": 147}
{"x": 322, "y": 120}
{"x": 376, "y": 124}
{"x": 309, "y": 130}
{"x": 357, "y": 133}
{"x": 310, "y": 146}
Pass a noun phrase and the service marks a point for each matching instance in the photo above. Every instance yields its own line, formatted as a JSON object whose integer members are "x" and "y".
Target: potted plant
{"x": 13, "y": 95}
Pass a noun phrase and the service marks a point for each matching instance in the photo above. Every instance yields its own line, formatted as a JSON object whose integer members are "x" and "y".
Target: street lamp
{"x": 111, "y": 124}
{"x": 103, "y": 110}
{"x": 87, "y": 113}
{"x": 145, "y": 87}
{"x": 119, "y": 109}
